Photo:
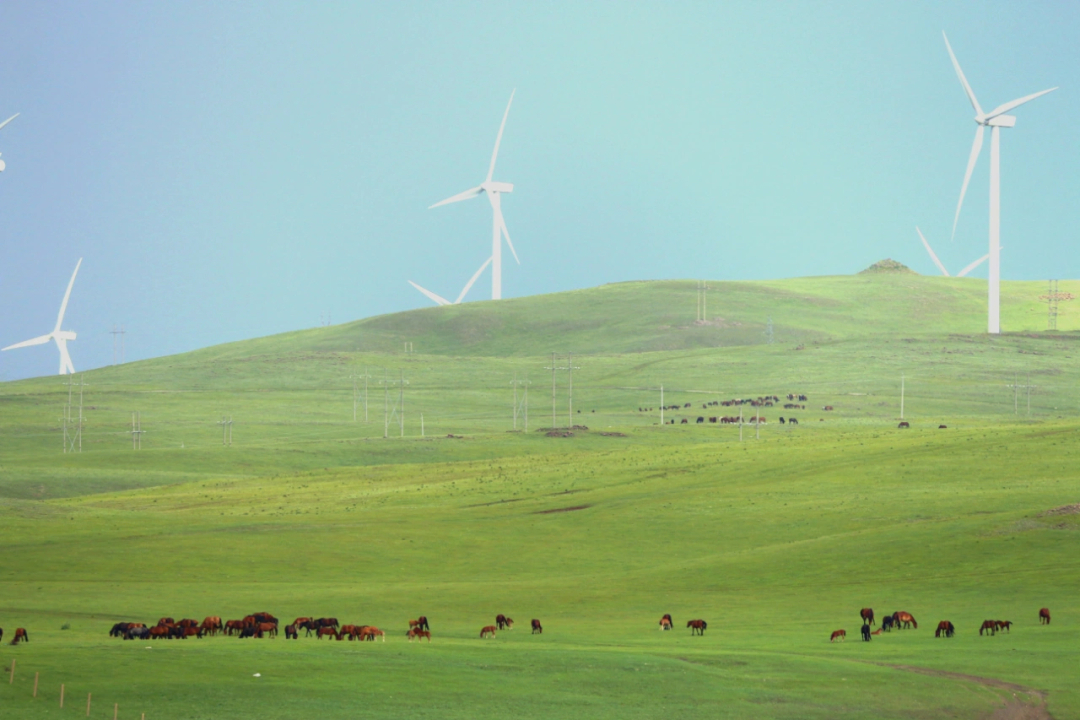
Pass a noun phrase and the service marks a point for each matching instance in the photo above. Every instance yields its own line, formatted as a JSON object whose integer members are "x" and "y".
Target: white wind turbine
{"x": 934, "y": 257}
{"x": 2, "y": 164}
{"x": 61, "y": 337}
{"x": 439, "y": 300}
{"x": 494, "y": 190}
{"x": 995, "y": 120}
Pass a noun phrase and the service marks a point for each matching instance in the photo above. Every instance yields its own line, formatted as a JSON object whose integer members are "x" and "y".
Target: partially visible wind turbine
{"x": 439, "y": 300}
{"x": 494, "y": 190}
{"x": 995, "y": 120}
{"x": 2, "y": 165}
{"x": 61, "y": 337}
{"x": 934, "y": 257}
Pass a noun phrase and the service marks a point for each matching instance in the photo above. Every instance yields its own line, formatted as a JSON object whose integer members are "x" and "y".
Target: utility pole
{"x": 114, "y": 332}
{"x": 1016, "y": 393}
{"x": 570, "y": 369}
{"x": 901, "y": 396}
{"x": 356, "y": 398}
{"x": 553, "y": 369}
{"x": 1028, "y": 385}
{"x": 136, "y": 430}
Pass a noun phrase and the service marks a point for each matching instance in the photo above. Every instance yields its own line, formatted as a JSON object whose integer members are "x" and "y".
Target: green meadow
{"x": 776, "y": 538}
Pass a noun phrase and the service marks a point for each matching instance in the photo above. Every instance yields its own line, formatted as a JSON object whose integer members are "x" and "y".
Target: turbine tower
{"x": 494, "y": 192}
{"x": 2, "y": 165}
{"x": 934, "y": 257}
{"x": 60, "y": 337}
{"x": 995, "y": 120}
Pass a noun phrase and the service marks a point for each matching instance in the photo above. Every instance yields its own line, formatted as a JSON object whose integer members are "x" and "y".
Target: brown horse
{"x": 211, "y": 624}
{"x": 423, "y": 623}
{"x": 876, "y": 632}
{"x": 370, "y": 632}
{"x": 233, "y": 626}
{"x": 326, "y": 631}
{"x": 159, "y": 631}
{"x": 20, "y": 636}
{"x": 188, "y": 623}
{"x": 536, "y": 627}
{"x": 290, "y": 632}
{"x": 166, "y": 621}
{"x": 352, "y": 631}
{"x": 1005, "y": 625}
{"x": 300, "y": 621}
{"x": 867, "y": 615}
{"x": 944, "y": 629}
{"x": 487, "y": 630}
{"x": 416, "y": 634}
{"x": 503, "y": 622}
{"x": 838, "y": 635}
{"x": 989, "y": 626}
{"x": 697, "y": 627}
{"x": 1044, "y": 616}
{"x": 905, "y": 620}
{"x": 666, "y": 622}
{"x": 270, "y": 628}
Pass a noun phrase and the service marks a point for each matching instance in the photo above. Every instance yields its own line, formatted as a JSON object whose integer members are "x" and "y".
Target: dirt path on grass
{"x": 1014, "y": 709}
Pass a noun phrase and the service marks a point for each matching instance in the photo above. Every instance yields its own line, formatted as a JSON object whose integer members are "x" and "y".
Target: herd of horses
{"x": 903, "y": 621}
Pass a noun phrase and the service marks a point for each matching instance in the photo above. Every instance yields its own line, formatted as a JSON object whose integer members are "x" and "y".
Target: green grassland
{"x": 776, "y": 539}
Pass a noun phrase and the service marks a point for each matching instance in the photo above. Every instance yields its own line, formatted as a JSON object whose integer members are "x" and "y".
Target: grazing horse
{"x": 20, "y": 635}
{"x": 904, "y": 424}
{"x": 904, "y": 620}
{"x": 887, "y": 623}
{"x": 290, "y": 632}
{"x": 140, "y": 633}
{"x": 866, "y": 632}
{"x": 370, "y": 632}
{"x": 233, "y": 626}
{"x": 423, "y": 623}
{"x": 117, "y": 630}
{"x": 188, "y": 622}
{"x": 536, "y": 628}
{"x": 989, "y": 626}
{"x": 1044, "y": 618}
{"x": 417, "y": 634}
{"x": 326, "y": 631}
{"x": 838, "y": 635}
{"x": 945, "y": 629}
{"x": 352, "y": 631}
{"x": 211, "y": 624}
{"x": 308, "y": 625}
{"x": 251, "y": 631}
{"x": 666, "y": 622}
{"x": 503, "y": 622}
{"x": 867, "y": 615}
{"x": 1005, "y": 625}
{"x": 487, "y": 631}
{"x": 326, "y": 622}
{"x": 270, "y": 628}
{"x": 159, "y": 631}
{"x": 166, "y": 621}
{"x": 697, "y": 627}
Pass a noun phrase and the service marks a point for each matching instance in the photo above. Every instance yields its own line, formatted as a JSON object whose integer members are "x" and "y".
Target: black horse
{"x": 866, "y": 633}
{"x": 887, "y": 623}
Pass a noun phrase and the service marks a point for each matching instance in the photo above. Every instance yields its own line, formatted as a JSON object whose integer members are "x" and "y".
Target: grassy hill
{"x": 776, "y": 538}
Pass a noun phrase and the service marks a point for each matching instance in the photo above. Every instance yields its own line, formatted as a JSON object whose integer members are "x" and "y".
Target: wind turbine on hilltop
{"x": 60, "y": 337}
{"x": 439, "y": 300}
{"x": 2, "y": 164}
{"x": 494, "y": 191}
{"x": 995, "y": 120}
{"x": 934, "y": 257}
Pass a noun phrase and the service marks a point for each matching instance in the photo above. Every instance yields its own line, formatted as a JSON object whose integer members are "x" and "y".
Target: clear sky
{"x": 231, "y": 170}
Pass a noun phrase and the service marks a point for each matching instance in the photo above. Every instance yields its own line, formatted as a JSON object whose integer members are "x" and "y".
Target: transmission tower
{"x": 769, "y": 332}
{"x": 73, "y": 425}
{"x": 136, "y": 430}
{"x": 226, "y": 430}
{"x": 521, "y": 408}
{"x": 570, "y": 367}
{"x": 399, "y": 405}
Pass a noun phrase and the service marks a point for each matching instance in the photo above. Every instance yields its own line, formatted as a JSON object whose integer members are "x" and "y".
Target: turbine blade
{"x": 27, "y": 343}
{"x": 506, "y": 234}
{"x": 63, "y": 305}
{"x": 933, "y": 255}
{"x": 470, "y": 193}
{"x": 9, "y": 120}
{"x": 498, "y": 139}
{"x": 976, "y": 146}
{"x": 468, "y": 285}
{"x": 973, "y": 265}
{"x": 1002, "y": 109}
{"x": 960, "y": 74}
{"x": 439, "y": 300}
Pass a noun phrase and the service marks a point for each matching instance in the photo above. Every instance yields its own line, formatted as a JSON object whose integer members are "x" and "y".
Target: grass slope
{"x": 775, "y": 541}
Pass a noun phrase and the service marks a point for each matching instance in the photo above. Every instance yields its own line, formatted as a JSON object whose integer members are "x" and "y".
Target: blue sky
{"x": 231, "y": 170}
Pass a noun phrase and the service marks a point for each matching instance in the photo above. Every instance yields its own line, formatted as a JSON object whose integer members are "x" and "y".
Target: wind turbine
{"x": 2, "y": 164}
{"x": 494, "y": 192}
{"x": 464, "y": 291}
{"x": 61, "y": 337}
{"x": 995, "y": 120}
{"x": 934, "y": 257}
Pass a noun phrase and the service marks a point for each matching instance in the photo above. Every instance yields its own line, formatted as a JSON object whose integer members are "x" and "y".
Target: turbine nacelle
{"x": 999, "y": 121}
{"x": 499, "y": 187}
